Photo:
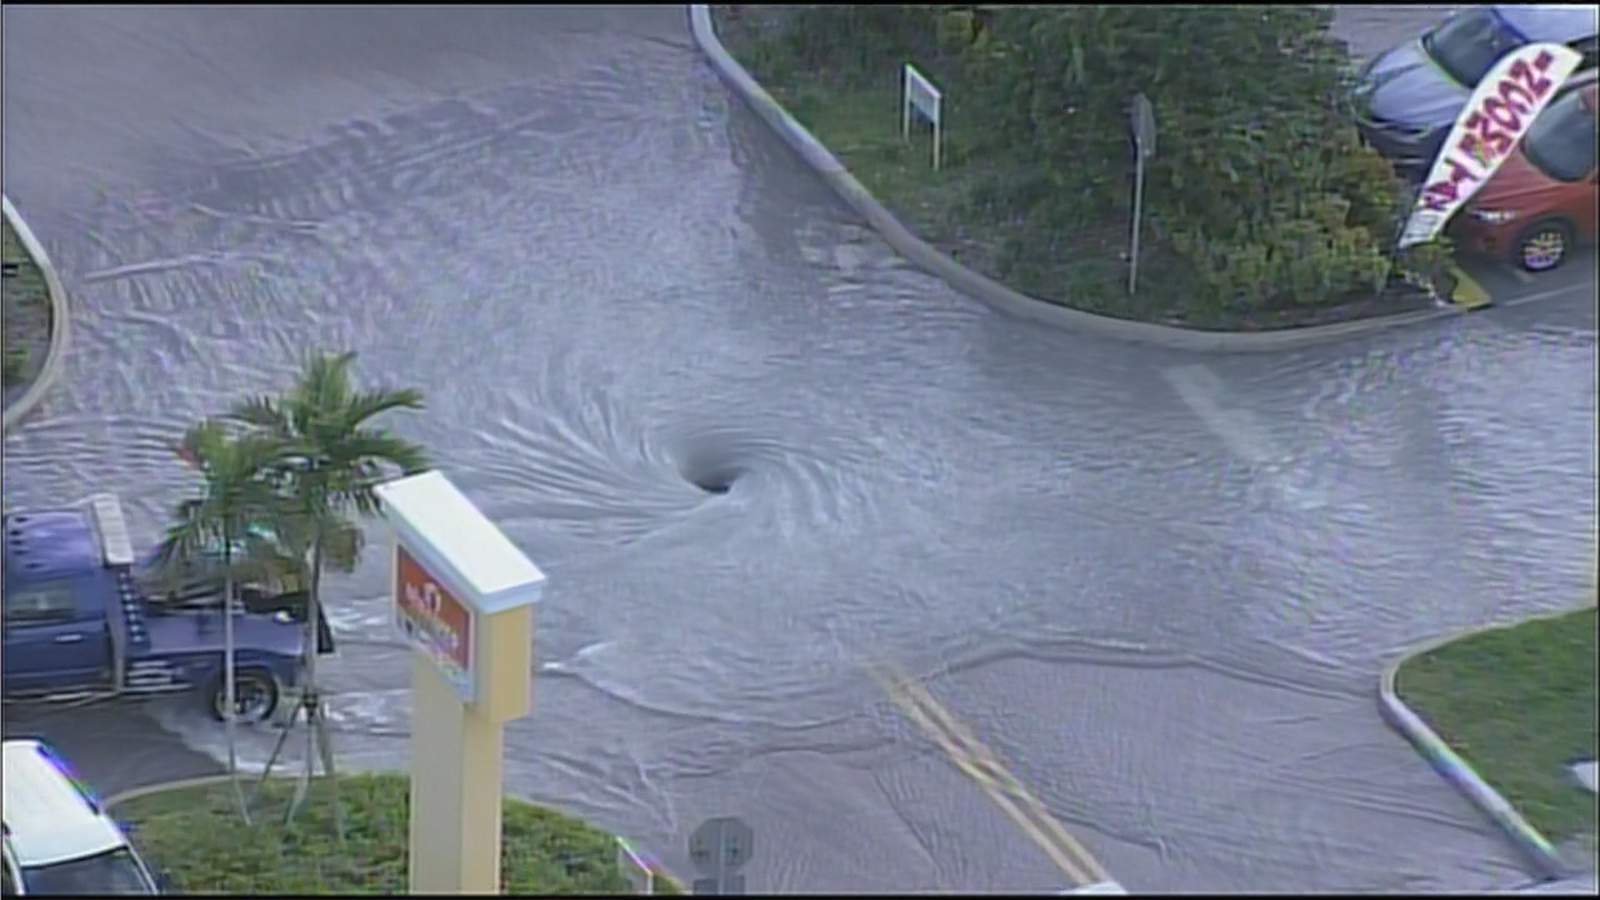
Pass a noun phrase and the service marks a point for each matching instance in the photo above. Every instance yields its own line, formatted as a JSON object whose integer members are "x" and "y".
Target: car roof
{"x": 49, "y": 543}
{"x": 1557, "y": 24}
{"x": 48, "y": 817}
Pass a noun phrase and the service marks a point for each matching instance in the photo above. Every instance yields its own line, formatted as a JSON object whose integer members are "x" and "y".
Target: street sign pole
{"x": 1143, "y": 120}
{"x": 1138, "y": 205}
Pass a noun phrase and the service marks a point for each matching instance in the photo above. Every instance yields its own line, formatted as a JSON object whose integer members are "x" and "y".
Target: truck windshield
{"x": 1561, "y": 142}
{"x": 112, "y": 872}
{"x": 1467, "y": 46}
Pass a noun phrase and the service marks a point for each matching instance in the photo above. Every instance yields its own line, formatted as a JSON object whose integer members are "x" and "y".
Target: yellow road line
{"x": 1015, "y": 787}
{"x": 979, "y": 763}
{"x": 1062, "y": 860}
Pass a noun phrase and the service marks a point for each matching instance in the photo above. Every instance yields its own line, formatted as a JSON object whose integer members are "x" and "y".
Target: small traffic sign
{"x": 718, "y": 848}
{"x": 721, "y": 845}
{"x": 1142, "y": 116}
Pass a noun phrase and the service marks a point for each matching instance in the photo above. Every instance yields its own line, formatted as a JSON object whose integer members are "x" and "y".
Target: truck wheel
{"x": 255, "y": 696}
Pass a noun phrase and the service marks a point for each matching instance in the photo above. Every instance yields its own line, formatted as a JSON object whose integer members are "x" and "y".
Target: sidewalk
{"x": 113, "y": 745}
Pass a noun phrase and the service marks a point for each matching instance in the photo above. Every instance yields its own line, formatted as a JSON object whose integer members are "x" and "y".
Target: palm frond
{"x": 369, "y": 448}
{"x": 200, "y": 445}
{"x": 240, "y": 494}
{"x": 365, "y": 405}
{"x": 261, "y": 412}
{"x": 272, "y": 559}
{"x": 323, "y": 386}
{"x": 186, "y": 540}
{"x": 308, "y": 459}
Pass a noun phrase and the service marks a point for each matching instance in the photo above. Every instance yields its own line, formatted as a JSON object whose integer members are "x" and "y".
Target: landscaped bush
{"x": 24, "y": 306}
{"x": 1260, "y": 194}
{"x": 195, "y": 835}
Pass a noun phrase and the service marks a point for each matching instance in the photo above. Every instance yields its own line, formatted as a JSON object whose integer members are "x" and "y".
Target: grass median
{"x": 983, "y": 207}
{"x": 966, "y": 209}
{"x": 195, "y": 835}
{"x": 25, "y": 307}
{"x": 1518, "y": 704}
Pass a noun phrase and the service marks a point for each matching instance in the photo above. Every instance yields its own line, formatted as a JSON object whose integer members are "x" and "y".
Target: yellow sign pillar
{"x": 464, "y": 598}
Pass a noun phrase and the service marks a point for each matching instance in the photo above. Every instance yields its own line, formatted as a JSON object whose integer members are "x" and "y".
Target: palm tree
{"x": 236, "y": 497}
{"x": 335, "y": 459}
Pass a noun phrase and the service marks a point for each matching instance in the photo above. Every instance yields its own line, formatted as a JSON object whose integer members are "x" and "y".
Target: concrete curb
{"x": 987, "y": 289}
{"x": 60, "y": 323}
{"x": 198, "y": 781}
{"x": 1546, "y": 860}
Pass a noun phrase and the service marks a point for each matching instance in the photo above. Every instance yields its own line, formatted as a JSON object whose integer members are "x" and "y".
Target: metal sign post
{"x": 1143, "y": 118}
{"x": 636, "y": 869}
{"x": 919, "y": 93}
{"x": 719, "y": 848}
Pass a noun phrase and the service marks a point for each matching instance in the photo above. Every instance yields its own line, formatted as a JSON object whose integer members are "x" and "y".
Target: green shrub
{"x": 15, "y": 363}
{"x": 852, "y": 42}
{"x": 196, "y": 836}
{"x": 1259, "y": 183}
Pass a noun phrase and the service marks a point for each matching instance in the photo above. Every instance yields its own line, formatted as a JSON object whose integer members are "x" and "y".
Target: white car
{"x": 57, "y": 839}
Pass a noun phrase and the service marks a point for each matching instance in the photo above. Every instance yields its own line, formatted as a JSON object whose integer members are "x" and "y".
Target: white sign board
{"x": 1487, "y": 132}
{"x": 1100, "y": 887}
{"x": 452, "y": 568}
{"x": 1585, "y": 772}
{"x": 920, "y": 95}
{"x": 1143, "y": 119}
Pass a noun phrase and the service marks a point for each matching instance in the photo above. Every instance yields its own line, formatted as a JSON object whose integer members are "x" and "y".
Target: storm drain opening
{"x": 712, "y": 481}
{"x": 716, "y": 486}
{"x": 711, "y": 473}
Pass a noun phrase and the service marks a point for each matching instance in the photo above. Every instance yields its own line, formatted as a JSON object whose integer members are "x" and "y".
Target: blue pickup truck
{"x": 84, "y": 616}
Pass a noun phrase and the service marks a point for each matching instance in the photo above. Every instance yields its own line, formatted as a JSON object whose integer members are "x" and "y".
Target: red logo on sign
{"x": 433, "y": 618}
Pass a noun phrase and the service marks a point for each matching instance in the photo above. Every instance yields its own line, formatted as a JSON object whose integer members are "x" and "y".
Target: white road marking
{"x": 1202, "y": 390}
{"x": 1545, "y": 295}
{"x": 1243, "y": 434}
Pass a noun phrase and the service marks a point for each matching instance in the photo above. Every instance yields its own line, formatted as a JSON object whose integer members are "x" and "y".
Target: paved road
{"x": 114, "y": 746}
{"x": 1158, "y": 587}
{"x": 1578, "y": 887}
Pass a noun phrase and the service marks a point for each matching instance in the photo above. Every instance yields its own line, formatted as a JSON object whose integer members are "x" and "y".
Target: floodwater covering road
{"x": 1160, "y": 587}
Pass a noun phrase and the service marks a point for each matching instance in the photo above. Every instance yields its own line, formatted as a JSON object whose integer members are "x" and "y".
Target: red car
{"x": 1541, "y": 201}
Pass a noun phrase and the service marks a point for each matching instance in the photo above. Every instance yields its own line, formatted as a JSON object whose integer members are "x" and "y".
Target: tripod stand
{"x": 318, "y": 744}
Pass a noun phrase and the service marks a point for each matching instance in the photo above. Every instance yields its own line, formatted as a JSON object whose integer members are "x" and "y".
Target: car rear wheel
{"x": 255, "y": 695}
{"x": 1543, "y": 246}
